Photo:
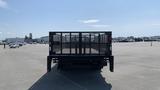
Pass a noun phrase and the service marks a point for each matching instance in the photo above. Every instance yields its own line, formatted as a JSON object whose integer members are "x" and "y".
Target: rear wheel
{"x": 111, "y": 64}
{"x": 60, "y": 65}
{"x": 49, "y": 65}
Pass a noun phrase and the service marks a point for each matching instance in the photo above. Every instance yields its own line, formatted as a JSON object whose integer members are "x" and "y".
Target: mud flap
{"x": 48, "y": 64}
{"x": 111, "y": 64}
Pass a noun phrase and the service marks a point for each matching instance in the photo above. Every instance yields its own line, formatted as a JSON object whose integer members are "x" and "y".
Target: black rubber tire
{"x": 60, "y": 65}
{"x": 111, "y": 64}
{"x": 49, "y": 65}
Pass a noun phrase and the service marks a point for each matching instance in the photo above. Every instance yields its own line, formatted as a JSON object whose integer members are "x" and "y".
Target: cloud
{"x": 89, "y": 21}
{"x": 3, "y": 4}
{"x": 0, "y": 32}
{"x": 94, "y": 23}
{"x": 100, "y": 25}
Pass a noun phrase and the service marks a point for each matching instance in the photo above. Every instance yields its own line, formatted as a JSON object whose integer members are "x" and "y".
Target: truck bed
{"x": 91, "y": 48}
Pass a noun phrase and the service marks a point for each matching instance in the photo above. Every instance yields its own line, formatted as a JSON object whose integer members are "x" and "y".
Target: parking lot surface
{"x": 137, "y": 67}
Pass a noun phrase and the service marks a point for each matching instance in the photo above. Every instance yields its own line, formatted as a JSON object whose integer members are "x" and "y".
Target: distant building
{"x": 14, "y": 40}
{"x": 30, "y": 35}
{"x": 119, "y": 39}
{"x": 28, "y": 39}
{"x": 130, "y": 39}
{"x": 155, "y": 38}
{"x": 136, "y": 39}
{"x": 44, "y": 39}
{"x": 1, "y": 42}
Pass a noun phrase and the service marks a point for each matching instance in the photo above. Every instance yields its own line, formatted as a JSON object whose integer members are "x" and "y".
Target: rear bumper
{"x": 95, "y": 60}
{"x": 78, "y": 57}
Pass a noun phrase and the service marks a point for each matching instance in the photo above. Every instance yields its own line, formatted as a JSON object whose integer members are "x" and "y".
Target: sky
{"x": 122, "y": 17}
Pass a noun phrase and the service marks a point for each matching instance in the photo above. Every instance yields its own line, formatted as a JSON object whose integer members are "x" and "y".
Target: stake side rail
{"x": 93, "y": 48}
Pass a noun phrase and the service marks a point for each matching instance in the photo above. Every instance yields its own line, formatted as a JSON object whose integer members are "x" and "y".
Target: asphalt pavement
{"x": 137, "y": 67}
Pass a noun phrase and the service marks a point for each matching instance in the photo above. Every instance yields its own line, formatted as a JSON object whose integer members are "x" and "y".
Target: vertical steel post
{"x": 109, "y": 43}
{"x": 84, "y": 48}
{"x": 80, "y": 43}
{"x": 50, "y": 43}
{"x": 70, "y": 43}
{"x": 61, "y": 43}
{"x": 99, "y": 38}
{"x": 89, "y": 43}
{"x": 75, "y": 44}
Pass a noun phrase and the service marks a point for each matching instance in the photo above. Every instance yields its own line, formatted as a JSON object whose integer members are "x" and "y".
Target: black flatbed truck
{"x": 80, "y": 48}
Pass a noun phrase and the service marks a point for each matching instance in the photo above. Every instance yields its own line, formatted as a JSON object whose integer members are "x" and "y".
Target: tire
{"x": 60, "y": 65}
{"x": 111, "y": 64}
{"x": 49, "y": 65}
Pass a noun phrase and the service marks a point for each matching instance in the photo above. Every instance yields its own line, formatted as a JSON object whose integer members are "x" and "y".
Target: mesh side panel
{"x": 86, "y": 43}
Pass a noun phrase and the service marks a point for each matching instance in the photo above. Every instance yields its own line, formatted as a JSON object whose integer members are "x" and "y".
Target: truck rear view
{"x": 80, "y": 48}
